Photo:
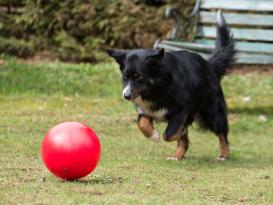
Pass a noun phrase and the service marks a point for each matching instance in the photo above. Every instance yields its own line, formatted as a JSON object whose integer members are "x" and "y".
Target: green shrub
{"x": 79, "y": 30}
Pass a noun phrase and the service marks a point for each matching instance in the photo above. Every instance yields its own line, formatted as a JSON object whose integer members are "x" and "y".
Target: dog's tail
{"x": 224, "y": 52}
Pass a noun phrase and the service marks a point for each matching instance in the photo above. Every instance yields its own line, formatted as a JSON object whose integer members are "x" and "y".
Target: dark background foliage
{"x": 79, "y": 30}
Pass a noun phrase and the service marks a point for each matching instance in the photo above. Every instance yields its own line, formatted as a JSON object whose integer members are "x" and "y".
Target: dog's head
{"x": 141, "y": 70}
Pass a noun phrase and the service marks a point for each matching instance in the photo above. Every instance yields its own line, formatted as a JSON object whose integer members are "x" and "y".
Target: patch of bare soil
{"x": 2, "y": 61}
{"x": 48, "y": 57}
{"x": 42, "y": 57}
{"x": 244, "y": 69}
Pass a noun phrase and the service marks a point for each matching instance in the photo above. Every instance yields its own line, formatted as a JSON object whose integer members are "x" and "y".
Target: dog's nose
{"x": 127, "y": 96}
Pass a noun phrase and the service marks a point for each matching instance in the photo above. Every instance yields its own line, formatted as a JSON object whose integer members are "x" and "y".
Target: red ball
{"x": 71, "y": 150}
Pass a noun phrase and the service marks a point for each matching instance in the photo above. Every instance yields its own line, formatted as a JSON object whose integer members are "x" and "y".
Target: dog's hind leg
{"x": 220, "y": 128}
{"x": 214, "y": 118}
{"x": 182, "y": 146}
{"x": 145, "y": 124}
{"x": 223, "y": 145}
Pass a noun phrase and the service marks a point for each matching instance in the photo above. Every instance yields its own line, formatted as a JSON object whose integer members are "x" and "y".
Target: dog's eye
{"x": 138, "y": 77}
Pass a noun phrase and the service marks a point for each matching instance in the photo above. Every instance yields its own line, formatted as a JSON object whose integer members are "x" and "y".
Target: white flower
{"x": 262, "y": 118}
{"x": 246, "y": 99}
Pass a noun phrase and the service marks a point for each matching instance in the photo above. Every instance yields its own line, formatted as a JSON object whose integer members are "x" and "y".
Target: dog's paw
{"x": 156, "y": 136}
{"x": 172, "y": 158}
{"x": 220, "y": 158}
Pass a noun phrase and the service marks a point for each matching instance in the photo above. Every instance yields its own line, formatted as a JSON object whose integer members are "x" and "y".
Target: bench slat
{"x": 244, "y": 46}
{"x": 192, "y": 46}
{"x": 242, "y": 34}
{"x": 208, "y": 46}
{"x": 245, "y": 5}
{"x": 238, "y": 19}
{"x": 242, "y": 58}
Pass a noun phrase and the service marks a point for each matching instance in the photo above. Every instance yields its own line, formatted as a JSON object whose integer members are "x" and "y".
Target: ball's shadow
{"x": 97, "y": 179}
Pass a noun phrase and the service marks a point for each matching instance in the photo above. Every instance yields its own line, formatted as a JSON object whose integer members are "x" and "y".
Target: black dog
{"x": 179, "y": 87}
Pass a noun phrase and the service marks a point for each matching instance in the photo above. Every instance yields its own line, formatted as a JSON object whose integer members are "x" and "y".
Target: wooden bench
{"x": 251, "y": 23}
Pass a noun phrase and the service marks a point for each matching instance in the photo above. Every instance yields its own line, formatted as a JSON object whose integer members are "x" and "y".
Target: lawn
{"x": 132, "y": 169}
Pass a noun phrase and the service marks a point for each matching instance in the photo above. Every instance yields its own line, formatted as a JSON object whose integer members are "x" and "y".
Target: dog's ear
{"x": 154, "y": 58}
{"x": 156, "y": 54}
{"x": 118, "y": 55}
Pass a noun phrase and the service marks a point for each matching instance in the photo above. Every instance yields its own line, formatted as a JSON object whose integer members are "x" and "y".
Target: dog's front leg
{"x": 176, "y": 123}
{"x": 182, "y": 146}
{"x": 145, "y": 124}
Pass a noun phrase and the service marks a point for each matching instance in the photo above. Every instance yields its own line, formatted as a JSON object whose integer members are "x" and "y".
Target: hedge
{"x": 79, "y": 30}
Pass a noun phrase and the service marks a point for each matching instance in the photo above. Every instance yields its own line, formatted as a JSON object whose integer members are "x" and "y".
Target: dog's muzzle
{"x": 128, "y": 94}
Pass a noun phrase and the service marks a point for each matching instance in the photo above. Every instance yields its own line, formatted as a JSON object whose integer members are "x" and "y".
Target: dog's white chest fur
{"x": 145, "y": 108}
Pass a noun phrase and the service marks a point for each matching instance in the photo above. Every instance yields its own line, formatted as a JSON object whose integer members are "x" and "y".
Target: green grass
{"x": 132, "y": 170}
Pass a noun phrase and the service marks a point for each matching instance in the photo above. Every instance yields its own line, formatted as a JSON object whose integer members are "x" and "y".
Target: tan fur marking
{"x": 173, "y": 138}
{"x": 183, "y": 144}
{"x": 176, "y": 136}
{"x": 224, "y": 150}
{"x": 145, "y": 107}
{"x": 179, "y": 154}
{"x": 146, "y": 126}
